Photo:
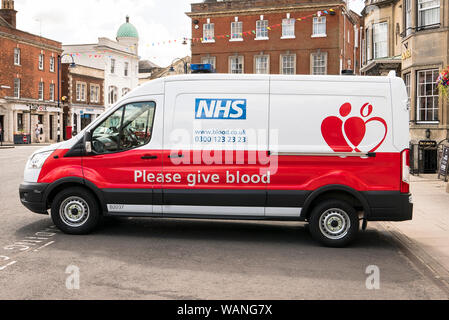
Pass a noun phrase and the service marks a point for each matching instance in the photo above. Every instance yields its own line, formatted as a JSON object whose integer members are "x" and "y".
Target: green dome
{"x": 127, "y": 30}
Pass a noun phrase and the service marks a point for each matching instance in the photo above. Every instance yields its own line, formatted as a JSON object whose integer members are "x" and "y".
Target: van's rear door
{"x": 325, "y": 127}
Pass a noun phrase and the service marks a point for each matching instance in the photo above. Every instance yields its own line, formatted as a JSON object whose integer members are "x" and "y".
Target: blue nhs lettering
{"x": 231, "y": 109}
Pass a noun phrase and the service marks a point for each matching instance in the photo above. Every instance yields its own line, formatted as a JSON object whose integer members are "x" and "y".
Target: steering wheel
{"x": 129, "y": 138}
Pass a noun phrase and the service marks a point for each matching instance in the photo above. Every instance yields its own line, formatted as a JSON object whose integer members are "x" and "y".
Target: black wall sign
{"x": 427, "y": 144}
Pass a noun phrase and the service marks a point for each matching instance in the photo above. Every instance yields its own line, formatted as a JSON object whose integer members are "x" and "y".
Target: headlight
{"x": 37, "y": 161}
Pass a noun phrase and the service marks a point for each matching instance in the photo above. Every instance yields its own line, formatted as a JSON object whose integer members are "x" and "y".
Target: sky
{"x": 84, "y": 21}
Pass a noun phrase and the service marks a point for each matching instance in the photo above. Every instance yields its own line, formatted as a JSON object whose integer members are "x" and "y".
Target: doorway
{"x": 2, "y": 129}
{"x": 428, "y": 156}
{"x": 51, "y": 127}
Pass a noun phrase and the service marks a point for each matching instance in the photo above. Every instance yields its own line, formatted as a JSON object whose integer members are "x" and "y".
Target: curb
{"x": 26, "y": 145}
{"x": 437, "y": 272}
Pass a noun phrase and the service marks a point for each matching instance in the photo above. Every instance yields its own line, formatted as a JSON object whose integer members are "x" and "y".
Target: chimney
{"x": 8, "y": 13}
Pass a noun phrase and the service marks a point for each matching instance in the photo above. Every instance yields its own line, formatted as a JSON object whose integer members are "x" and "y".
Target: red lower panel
{"x": 219, "y": 170}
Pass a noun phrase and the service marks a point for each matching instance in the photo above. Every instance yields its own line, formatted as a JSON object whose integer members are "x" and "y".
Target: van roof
{"x": 224, "y": 76}
{"x": 157, "y": 86}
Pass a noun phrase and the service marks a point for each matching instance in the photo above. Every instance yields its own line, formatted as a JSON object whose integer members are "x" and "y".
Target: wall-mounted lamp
{"x": 428, "y": 133}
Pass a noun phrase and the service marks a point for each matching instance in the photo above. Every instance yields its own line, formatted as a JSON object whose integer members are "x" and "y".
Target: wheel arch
{"x": 341, "y": 192}
{"x": 68, "y": 182}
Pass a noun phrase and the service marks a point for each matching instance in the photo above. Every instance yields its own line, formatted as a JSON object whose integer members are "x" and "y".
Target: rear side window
{"x": 129, "y": 127}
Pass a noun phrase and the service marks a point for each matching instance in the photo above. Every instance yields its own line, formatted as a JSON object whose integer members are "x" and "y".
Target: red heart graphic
{"x": 332, "y": 131}
{"x": 355, "y": 130}
{"x": 386, "y": 130}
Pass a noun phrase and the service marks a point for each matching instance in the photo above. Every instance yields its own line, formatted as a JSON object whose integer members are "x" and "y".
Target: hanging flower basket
{"x": 443, "y": 81}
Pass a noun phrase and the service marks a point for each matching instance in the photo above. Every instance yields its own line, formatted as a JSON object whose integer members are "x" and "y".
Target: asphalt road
{"x": 190, "y": 259}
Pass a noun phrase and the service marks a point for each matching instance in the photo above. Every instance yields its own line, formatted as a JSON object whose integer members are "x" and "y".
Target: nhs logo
{"x": 220, "y": 109}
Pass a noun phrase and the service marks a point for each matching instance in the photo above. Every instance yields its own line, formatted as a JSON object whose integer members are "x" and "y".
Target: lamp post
{"x": 186, "y": 65}
{"x": 72, "y": 65}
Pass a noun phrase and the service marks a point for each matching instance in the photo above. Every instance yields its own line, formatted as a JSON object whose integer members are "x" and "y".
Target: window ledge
{"x": 427, "y": 122}
{"x": 208, "y": 41}
{"x": 236, "y": 40}
{"x": 319, "y": 35}
{"x": 262, "y": 38}
{"x": 288, "y": 37}
{"x": 17, "y": 65}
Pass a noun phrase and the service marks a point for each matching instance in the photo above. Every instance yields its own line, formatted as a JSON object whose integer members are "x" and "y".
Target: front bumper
{"x": 32, "y": 197}
{"x": 389, "y": 206}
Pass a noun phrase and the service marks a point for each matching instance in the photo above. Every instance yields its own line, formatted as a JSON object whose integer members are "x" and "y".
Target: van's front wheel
{"x": 75, "y": 211}
{"x": 334, "y": 223}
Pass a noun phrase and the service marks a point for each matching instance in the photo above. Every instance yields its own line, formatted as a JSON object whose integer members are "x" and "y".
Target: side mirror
{"x": 88, "y": 142}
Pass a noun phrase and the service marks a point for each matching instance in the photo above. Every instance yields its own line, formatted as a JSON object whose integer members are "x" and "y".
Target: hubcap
{"x": 74, "y": 211}
{"x": 335, "y": 224}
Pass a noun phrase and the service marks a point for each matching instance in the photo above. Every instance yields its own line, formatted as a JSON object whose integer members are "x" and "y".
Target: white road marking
{"x": 7, "y": 265}
{"x": 45, "y": 245}
{"x": 27, "y": 244}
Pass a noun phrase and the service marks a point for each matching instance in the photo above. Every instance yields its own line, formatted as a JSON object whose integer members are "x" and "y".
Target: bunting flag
{"x": 184, "y": 40}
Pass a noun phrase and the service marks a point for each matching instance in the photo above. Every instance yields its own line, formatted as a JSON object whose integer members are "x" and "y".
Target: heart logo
{"x": 346, "y": 136}
{"x": 332, "y": 133}
{"x": 355, "y": 130}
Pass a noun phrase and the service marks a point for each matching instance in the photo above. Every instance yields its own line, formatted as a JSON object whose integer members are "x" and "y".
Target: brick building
{"x": 28, "y": 81}
{"x": 276, "y": 36}
{"x": 83, "y": 92}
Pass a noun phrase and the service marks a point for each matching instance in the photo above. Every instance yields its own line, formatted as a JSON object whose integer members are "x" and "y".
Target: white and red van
{"x": 328, "y": 150}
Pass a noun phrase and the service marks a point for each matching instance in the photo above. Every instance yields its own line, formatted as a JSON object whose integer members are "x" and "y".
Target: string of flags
{"x": 102, "y": 54}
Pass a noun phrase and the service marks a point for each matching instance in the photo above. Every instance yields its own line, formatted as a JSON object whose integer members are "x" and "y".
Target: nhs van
{"x": 328, "y": 150}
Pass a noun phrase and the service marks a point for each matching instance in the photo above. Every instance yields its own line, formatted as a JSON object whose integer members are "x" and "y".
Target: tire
{"x": 334, "y": 223}
{"x": 75, "y": 211}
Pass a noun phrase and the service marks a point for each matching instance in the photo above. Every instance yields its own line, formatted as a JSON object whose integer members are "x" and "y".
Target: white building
{"x": 119, "y": 59}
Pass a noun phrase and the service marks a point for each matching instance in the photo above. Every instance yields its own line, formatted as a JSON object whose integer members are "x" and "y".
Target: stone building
{"x": 425, "y": 52}
{"x": 28, "y": 82}
{"x": 119, "y": 59}
{"x": 382, "y": 40}
{"x": 149, "y": 71}
{"x": 83, "y": 92}
{"x": 269, "y": 36}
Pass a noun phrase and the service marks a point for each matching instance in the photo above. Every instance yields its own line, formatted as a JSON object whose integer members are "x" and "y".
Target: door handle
{"x": 176, "y": 156}
{"x": 149, "y": 157}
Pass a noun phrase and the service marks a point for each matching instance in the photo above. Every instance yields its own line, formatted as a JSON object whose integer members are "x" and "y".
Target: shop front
{"x": 83, "y": 116}
{"x": 25, "y": 123}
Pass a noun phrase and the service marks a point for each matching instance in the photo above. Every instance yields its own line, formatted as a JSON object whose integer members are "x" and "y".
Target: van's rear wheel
{"x": 75, "y": 211}
{"x": 334, "y": 223}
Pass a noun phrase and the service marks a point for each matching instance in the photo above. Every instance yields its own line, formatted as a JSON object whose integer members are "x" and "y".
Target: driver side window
{"x": 129, "y": 127}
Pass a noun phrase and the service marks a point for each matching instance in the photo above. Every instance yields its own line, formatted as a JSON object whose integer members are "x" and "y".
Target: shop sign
{"x": 427, "y": 144}
{"x": 407, "y": 54}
